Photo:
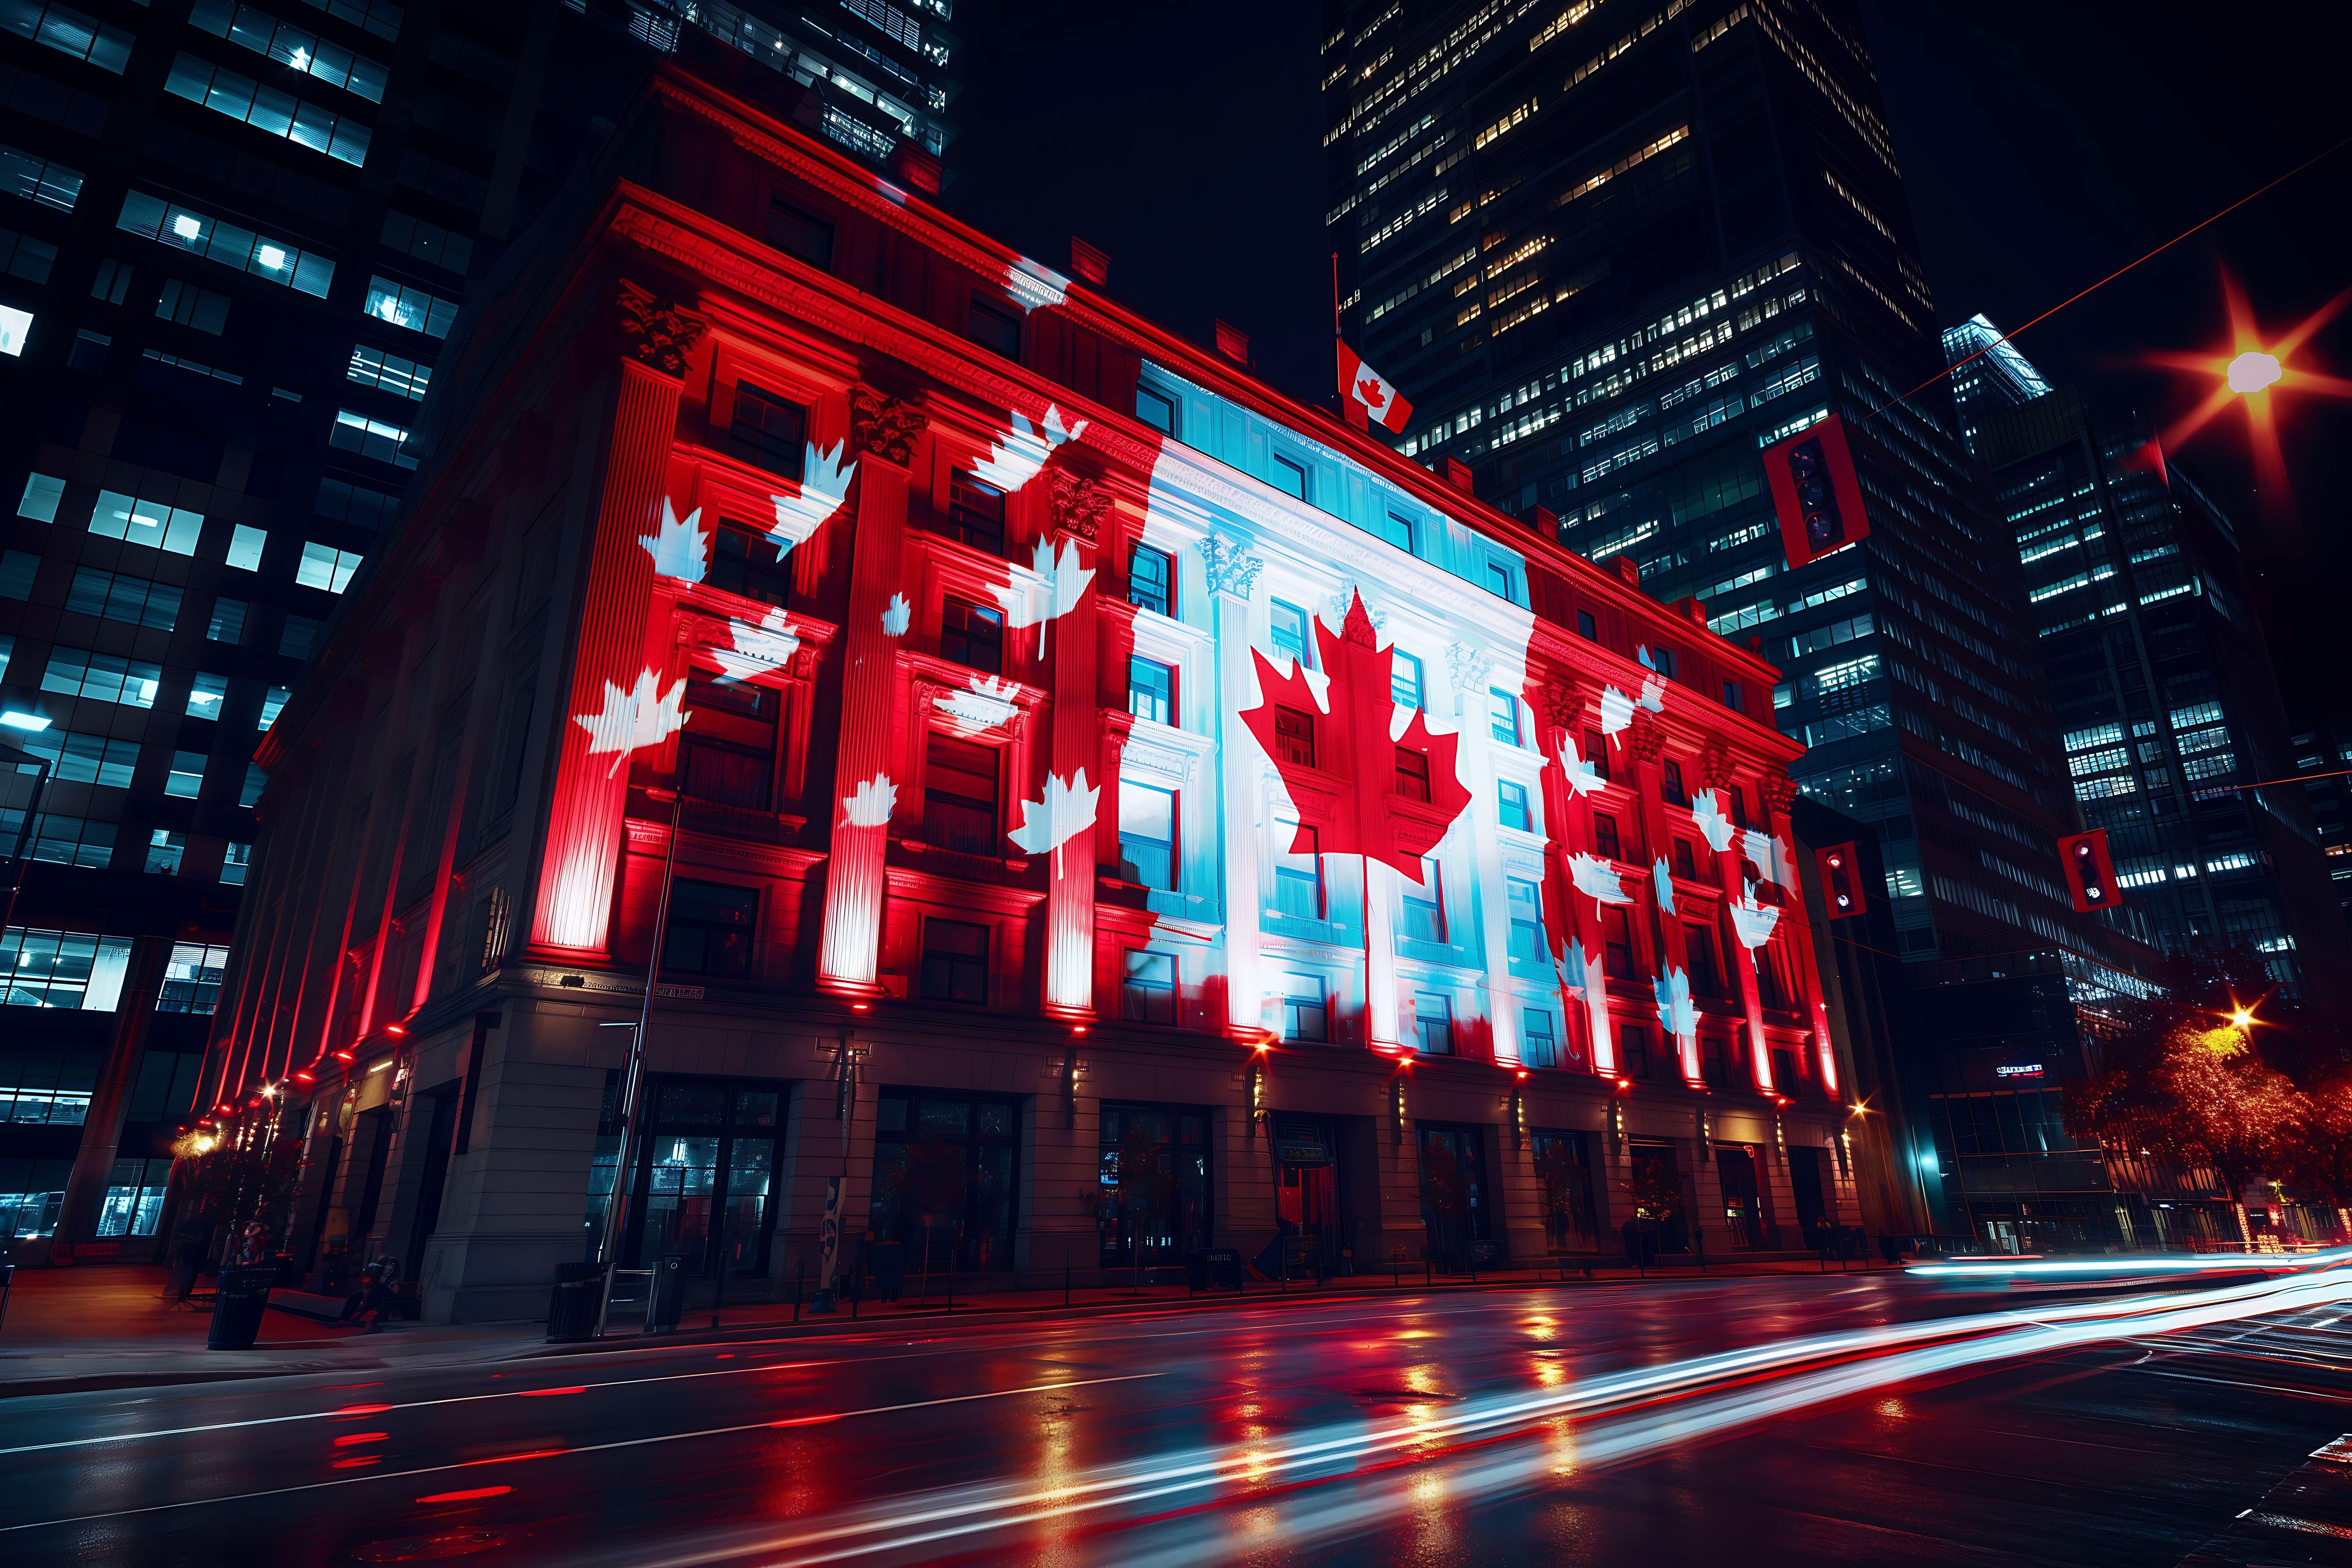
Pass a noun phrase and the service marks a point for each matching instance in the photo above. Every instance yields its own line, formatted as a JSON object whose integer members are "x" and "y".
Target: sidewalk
{"x": 78, "y": 1328}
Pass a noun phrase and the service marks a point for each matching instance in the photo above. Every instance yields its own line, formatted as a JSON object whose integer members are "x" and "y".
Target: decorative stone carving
{"x": 885, "y": 426}
{"x": 1080, "y": 505}
{"x": 1345, "y": 596}
{"x": 1563, "y": 704}
{"x": 655, "y": 331}
{"x": 1715, "y": 765}
{"x": 1231, "y": 569}
{"x": 1775, "y": 792}
{"x": 1468, "y": 666}
{"x": 1647, "y": 738}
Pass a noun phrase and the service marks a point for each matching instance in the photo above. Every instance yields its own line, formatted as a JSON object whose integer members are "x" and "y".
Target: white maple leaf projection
{"x": 871, "y": 806}
{"x": 1595, "y": 879}
{"x": 1771, "y": 858}
{"x": 896, "y": 616}
{"x": 1580, "y": 976}
{"x": 1015, "y": 461}
{"x": 762, "y": 647}
{"x": 1653, "y": 697}
{"x": 1067, "y": 809}
{"x": 632, "y": 720}
{"x": 1583, "y": 777}
{"x": 1616, "y": 714}
{"x": 1662, "y": 879}
{"x": 1751, "y": 922}
{"x": 1649, "y": 661}
{"x": 984, "y": 704}
{"x": 1707, "y": 813}
{"x": 1675, "y": 1013}
{"x": 677, "y": 549}
{"x": 825, "y": 485}
{"x": 1048, "y": 591}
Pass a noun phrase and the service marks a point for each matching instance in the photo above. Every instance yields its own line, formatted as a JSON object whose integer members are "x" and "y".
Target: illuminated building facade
{"x": 2160, "y": 681}
{"x": 1066, "y": 753}
{"x": 235, "y": 236}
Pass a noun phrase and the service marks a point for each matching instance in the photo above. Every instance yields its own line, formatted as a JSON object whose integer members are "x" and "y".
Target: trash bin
{"x": 571, "y": 1305}
{"x": 236, "y": 1310}
{"x": 668, "y": 1303}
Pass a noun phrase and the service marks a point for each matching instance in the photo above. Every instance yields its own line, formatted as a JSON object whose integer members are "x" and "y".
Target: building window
{"x": 1500, "y": 582}
{"x": 1617, "y": 939}
{"x": 245, "y": 547}
{"x": 1586, "y": 626}
{"x": 165, "y": 850}
{"x": 273, "y": 703}
{"x": 1286, "y": 626}
{"x": 1503, "y": 715}
{"x": 1147, "y": 835}
{"x": 1294, "y": 737}
{"x": 1412, "y": 775}
{"x": 324, "y": 566}
{"x": 1150, "y": 691}
{"x": 1304, "y": 1014}
{"x": 1514, "y": 807}
{"x": 389, "y": 372}
{"x": 709, "y": 928}
{"x": 955, "y": 961}
{"x": 1739, "y": 809}
{"x": 959, "y": 794}
{"x": 971, "y": 635}
{"x": 1404, "y": 679}
{"x": 1670, "y": 784}
{"x": 87, "y": 355}
{"x": 1539, "y": 1047}
{"x": 1146, "y": 990}
{"x": 795, "y": 233}
{"x": 104, "y": 676}
{"x": 1596, "y": 754}
{"x": 1732, "y": 699}
{"x": 294, "y": 641}
{"x": 993, "y": 327}
{"x": 256, "y": 781}
{"x": 1684, "y": 866}
{"x": 268, "y": 109}
{"x": 769, "y": 430}
{"x": 749, "y": 564}
{"x": 1604, "y": 837}
{"x": 975, "y": 514}
{"x": 1424, "y": 906}
{"x": 227, "y": 622}
{"x": 134, "y": 1192}
{"x": 1289, "y": 478}
{"x": 1526, "y": 900}
{"x": 192, "y": 978}
{"x": 1297, "y": 872}
{"x": 1661, "y": 659}
{"x": 1432, "y": 1020}
{"x": 234, "y": 863}
{"x": 1152, "y": 579}
{"x": 1633, "y": 1051}
{"x": 207, "y": 695}
{"x": 187, "y": 776}
{"x": 65, "y": 969}
{"x": 1156, "y": 409}
{"x": 404, "y": 305}
{"x": 355, "y": 431}
{"x": 1397, "y": 530}
{"x": 1698, "y": 946}
{"x": 428, "y": 242}
{"x": 727, "y": 754}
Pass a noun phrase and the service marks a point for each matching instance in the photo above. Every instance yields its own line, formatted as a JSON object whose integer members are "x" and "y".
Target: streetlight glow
{"x": 2253, "y": 371}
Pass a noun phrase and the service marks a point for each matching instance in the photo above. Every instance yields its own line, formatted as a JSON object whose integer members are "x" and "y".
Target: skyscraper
{"x": 236, "y": 237}
{"x": 2161, "y": 685}
{"x": 1611, "y": 250}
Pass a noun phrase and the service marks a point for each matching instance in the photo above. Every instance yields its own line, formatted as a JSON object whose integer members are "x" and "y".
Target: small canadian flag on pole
{"x": 1365, "y": 386}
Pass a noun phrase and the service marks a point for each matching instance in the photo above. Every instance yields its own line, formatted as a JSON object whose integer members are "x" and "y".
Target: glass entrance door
{"x": 704, "y": 1179}
{"x": 947, "y": 1178}
{"x": 1743, "y": 1218}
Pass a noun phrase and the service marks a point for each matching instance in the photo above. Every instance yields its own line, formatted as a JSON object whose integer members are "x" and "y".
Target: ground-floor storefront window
{"x": 706, "y": 1172}
{"x": 1453, "y": 1196}
{"x": 1154, "y": 1184}
{"x": 1563, "y": 1162}
{"x": 1309, "y": 1224}
{"x": 946, "y": 1178}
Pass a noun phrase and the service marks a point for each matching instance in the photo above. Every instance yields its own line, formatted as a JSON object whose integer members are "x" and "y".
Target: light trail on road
{"x": 1622, "y": 1417}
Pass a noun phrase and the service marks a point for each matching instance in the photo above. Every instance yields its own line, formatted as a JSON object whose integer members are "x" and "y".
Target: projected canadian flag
{"x": 1370, "y": 390}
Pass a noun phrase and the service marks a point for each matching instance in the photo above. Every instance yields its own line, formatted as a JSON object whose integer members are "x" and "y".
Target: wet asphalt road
{"x": 1436, "y": 1428}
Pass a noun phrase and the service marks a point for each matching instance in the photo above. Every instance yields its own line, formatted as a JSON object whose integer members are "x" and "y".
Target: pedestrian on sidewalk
{"x": 383, "y": 1290}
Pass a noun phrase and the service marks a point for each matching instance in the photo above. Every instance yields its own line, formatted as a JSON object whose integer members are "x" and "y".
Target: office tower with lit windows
{"x": 1611, "y": 250}
{"x": 234, "y": 236}
{"x": 2160, "y": 682}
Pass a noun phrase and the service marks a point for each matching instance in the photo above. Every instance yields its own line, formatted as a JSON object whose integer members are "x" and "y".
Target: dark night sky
{"x": 2044, "y": 145}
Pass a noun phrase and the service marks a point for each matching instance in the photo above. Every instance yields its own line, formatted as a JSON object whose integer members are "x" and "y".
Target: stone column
{"x": 1646, "y": 744}
{"x": 1775, "y": 794}
{"x": 1568, "y": 830}
{"x": 101, "y": 1128}
{"x": 1233, "y": 579}
{"x": 1472, "y": 675}
{"x": 884, "y": 430}
{"x": 1079, "y": 508}
{"x": 572, "y": 911}
{"x": 1716, "y": 769}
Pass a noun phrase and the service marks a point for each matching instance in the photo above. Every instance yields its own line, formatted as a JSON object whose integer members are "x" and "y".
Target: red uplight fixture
{"x": 1077, "y": 1028}
{"x": 395, "y": 1028}
{"x": 345, "y": 1057}
{"x": 1625, "y": 1083}
{"x": 1523, "y": 1073}
{"x": 861, "y": 1006}
{"x": 304, "y": 1075}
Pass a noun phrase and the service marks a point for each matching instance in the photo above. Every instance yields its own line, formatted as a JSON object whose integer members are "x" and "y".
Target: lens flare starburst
{"x": 2254, "y": 373}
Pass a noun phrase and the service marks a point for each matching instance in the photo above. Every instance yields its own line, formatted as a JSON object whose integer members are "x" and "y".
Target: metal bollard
{"x": 800, "y": 1273}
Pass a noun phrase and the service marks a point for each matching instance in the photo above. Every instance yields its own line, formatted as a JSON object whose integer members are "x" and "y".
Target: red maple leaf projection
{"x": 1372, "y": 393}
{"x": 1357, "y": 792}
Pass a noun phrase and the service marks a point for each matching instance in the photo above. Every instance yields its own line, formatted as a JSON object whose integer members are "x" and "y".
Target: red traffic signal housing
{"x": 1815, "y": 491}
{"x": 2090, "y": 874}
{"x": 1841, "y": 880}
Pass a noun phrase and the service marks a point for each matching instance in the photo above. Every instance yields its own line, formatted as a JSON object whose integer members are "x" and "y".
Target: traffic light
{"x": 2090, "y": 874}
{"x": 1841, "y": 880}
{"x": 1815, "y": 491}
